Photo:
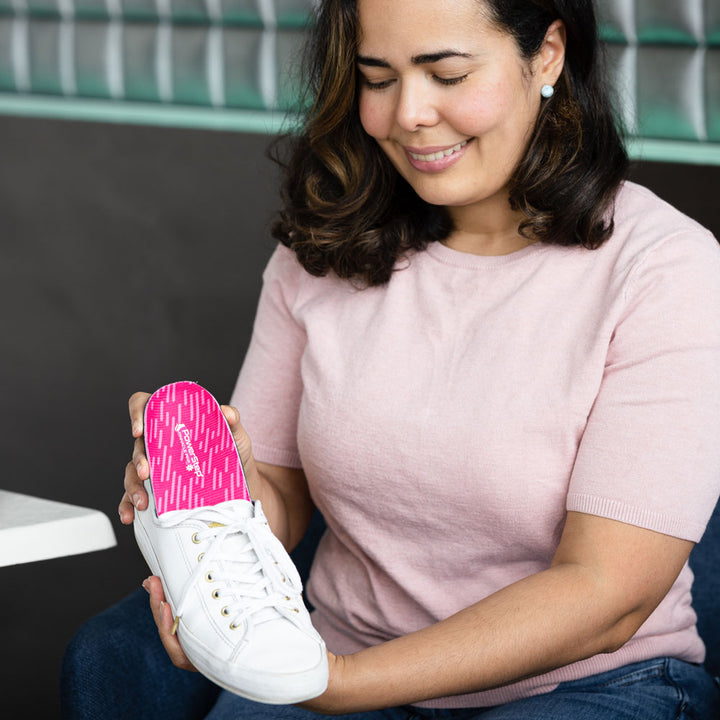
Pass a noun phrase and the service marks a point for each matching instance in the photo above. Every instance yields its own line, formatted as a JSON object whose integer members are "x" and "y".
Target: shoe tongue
{"x": 238, "y": 509}
{"x": 238, "y": 545}
{"x": 267, "y": 613}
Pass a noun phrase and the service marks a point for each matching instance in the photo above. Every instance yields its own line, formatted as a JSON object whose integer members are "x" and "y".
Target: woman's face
{"x": 447, "y": 96}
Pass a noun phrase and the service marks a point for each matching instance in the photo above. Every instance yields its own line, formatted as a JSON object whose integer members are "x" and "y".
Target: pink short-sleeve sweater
{"x": 448, "y": 420}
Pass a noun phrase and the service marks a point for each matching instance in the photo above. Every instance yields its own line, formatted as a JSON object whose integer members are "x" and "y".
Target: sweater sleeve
{"x": 269, "y": 388}
{"x": 650, "y": 453}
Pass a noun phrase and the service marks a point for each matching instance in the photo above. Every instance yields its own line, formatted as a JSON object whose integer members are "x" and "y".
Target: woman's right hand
{"x": 137, "y": 470}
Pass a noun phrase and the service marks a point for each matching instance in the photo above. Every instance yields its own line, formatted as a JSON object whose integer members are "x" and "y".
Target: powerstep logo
{"x": 193, "y": 462}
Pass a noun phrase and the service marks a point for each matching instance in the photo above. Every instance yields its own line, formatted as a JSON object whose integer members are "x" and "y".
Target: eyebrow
{"x": 424, "y": 59}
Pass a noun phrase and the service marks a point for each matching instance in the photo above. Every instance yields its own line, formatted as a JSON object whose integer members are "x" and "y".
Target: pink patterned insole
{"x": 192, "y": 454}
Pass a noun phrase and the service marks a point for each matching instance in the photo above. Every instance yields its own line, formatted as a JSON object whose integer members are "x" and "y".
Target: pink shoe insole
{"x": 193, "y": 458}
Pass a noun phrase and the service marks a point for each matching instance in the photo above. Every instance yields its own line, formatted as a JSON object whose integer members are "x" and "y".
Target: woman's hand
{"x": 162, "y": 614}
{"x": 137, "y": 470}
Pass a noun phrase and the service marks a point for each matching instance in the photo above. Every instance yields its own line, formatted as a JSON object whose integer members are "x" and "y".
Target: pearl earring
{"x": 547, "y": 91}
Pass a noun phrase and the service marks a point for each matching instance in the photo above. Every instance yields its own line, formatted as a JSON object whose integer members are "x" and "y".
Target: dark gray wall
{"x": 129, "y": 257}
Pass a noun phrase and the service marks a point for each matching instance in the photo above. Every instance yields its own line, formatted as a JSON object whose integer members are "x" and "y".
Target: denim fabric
{"x": 116, "y": 667}
{"x": 660, "y": 689}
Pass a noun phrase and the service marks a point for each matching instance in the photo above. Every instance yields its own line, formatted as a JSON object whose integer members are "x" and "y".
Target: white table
{"x": 35, "y": 529}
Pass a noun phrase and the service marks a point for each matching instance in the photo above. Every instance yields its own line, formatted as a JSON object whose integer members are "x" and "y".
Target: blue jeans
{"x": 116, "y": 667}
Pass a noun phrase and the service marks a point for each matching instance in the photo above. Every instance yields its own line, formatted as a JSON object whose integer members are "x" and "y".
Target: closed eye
{"x": 382, "y": 84}
{"x": 450, "y": 81}
{"x": 378, "y": 85}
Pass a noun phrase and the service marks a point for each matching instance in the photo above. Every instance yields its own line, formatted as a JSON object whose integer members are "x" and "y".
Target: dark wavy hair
{"x": 347, "y": 210}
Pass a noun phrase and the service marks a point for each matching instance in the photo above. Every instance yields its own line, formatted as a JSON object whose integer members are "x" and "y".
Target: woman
{"x": 492, "y": 364}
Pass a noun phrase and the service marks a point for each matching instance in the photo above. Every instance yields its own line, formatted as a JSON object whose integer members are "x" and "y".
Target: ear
{"x": 551, "y": 59}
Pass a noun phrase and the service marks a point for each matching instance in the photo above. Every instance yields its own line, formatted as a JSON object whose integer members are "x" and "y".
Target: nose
{"x": 415, "y": 105}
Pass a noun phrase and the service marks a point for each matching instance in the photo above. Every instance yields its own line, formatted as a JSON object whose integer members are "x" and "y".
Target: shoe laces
{"x": 243, "y": 561}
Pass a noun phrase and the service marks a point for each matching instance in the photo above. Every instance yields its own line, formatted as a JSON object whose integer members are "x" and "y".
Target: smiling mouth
{"x": 438, "y": 155}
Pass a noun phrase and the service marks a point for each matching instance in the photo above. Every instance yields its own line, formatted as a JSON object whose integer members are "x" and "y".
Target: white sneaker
{"x": 234, "y": 592}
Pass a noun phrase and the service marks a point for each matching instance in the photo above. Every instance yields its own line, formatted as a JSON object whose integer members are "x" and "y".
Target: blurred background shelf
{"x": 234, "y": 64}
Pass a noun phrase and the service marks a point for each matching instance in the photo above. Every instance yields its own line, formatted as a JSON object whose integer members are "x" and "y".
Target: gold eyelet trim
{"x": 225, "y": 611}
{"x": 196, "y": 540}
{"x": 233, "y": 626}
{"x": 216, "y": 594}
{"x": 201, "y": 556}
{"x": 209, "y": 577}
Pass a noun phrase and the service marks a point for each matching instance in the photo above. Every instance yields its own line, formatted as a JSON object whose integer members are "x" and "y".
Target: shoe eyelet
{"x": 216, "y": 594}
{"x": 287, "y": 598}
{"x": 233, "y": 626}
{"x": 196, "y": 540}
{"x": 296, "y": 610}
{"x": 201, "y": 556}
{"x": 225, "y": 611}
{"x": 209, "y": 577}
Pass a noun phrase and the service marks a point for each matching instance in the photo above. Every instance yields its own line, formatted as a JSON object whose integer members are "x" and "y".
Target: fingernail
{"x": 146, "y": 584}
{"x": 136, "y": 499}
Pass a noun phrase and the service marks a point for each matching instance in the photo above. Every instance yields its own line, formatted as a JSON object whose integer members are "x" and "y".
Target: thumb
{"x": 242, "y": 439}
